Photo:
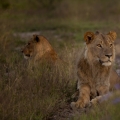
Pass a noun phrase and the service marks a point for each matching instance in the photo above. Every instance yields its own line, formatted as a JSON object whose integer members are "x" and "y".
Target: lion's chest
{"x": 93, "y": 77}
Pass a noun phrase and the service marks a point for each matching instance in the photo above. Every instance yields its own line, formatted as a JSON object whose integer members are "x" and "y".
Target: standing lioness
{"x": 94, "y": 67}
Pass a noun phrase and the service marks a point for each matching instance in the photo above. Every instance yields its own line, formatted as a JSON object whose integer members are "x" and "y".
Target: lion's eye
{"x": 111, "y": 45}
{"x": 99, "y": 45}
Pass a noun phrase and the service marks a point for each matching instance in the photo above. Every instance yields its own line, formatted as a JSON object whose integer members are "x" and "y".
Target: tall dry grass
{"x": 28, "y": 92}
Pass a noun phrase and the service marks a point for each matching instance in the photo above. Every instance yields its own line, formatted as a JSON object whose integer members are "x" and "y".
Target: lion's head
{"x": 100, "y": 48}
{"x": 38, "y": 47}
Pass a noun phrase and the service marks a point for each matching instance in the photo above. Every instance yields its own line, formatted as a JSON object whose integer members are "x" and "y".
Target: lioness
{"x": 94, "y": 70}
{"x": 38, "y": 48}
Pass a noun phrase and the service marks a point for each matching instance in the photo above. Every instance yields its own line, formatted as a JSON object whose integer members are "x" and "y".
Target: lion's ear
{"x": 36, "y": 38}
{"x": 88, "y": 37}
{"x": 113, "y": 35}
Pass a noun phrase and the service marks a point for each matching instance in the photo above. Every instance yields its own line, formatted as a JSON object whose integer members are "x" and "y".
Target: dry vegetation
{"x": 29, "y": 93}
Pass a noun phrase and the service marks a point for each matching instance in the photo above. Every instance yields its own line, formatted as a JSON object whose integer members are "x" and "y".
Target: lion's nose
{"x": 22, "y": 51}
{"x": 108, "y": 55}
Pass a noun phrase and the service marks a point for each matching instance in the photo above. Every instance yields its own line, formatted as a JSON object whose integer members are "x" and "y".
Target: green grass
{"x": 105, "y": 111}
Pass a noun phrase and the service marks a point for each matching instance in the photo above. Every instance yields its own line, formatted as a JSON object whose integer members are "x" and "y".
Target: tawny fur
{"x": 38, "y": 48}
{"x": 94, "y": 69}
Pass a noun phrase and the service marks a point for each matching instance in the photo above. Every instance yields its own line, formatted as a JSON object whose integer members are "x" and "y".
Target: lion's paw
{"x": 78, "y": 104}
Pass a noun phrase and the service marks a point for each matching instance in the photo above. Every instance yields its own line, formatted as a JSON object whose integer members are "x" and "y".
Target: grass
{"x": 38, "y": 94}
{"x": 108, "y": 110}
{"x": 27, "y": 94}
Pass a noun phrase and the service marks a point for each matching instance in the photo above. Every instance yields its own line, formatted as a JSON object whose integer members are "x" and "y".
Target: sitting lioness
{"x": 95, "y": 73}
{"x": 38, "y": 48}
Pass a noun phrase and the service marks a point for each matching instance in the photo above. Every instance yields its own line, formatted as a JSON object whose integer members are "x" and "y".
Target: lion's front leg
{"x": 84, "y": 97}
{"x": 103, "y": 89}
{"x": 95, "y": 101}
